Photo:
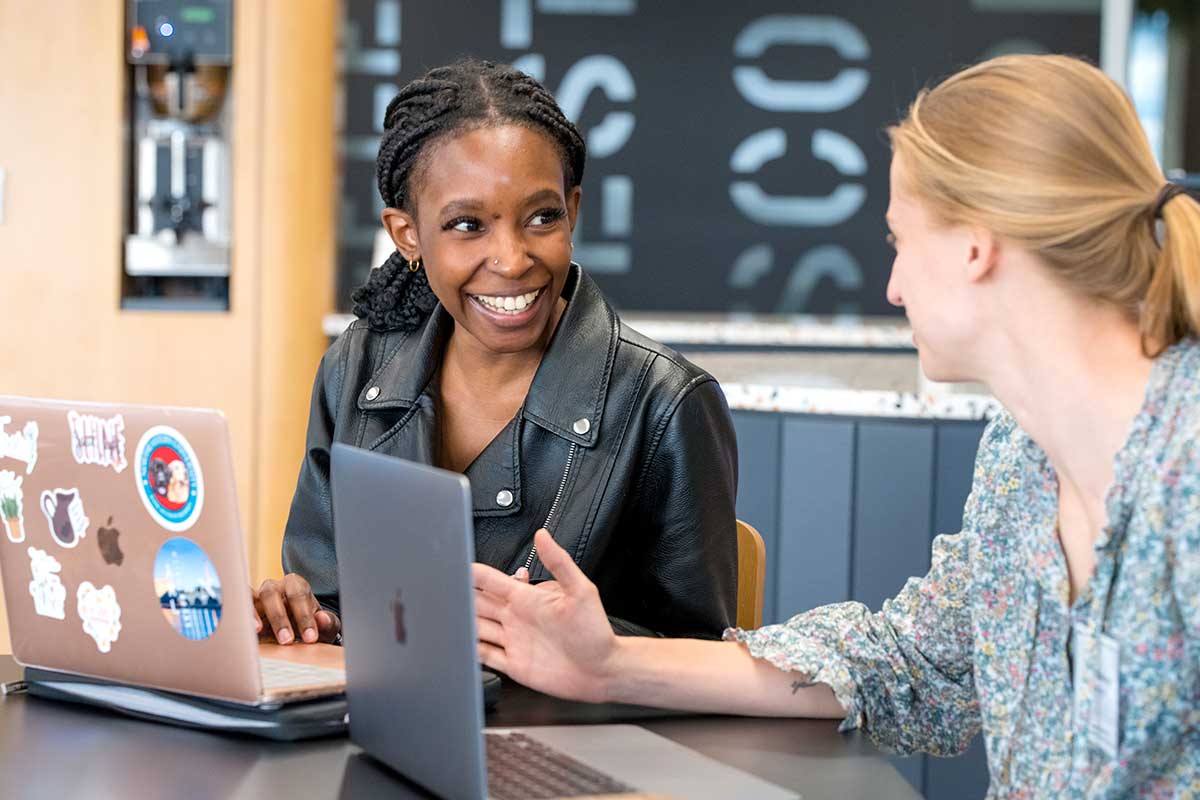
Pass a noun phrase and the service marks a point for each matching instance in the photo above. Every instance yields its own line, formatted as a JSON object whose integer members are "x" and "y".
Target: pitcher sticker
{"x": 95, "y": 440}
{"x": 188, "y": 588}
{"x": 169, "y": 479}
{"x": 64, "y": 511}
{"x": 101, "y": 614}
{"x": 12, "y": 506}
{"x": 49, "y": 594}
{"x": 19, "y": 445}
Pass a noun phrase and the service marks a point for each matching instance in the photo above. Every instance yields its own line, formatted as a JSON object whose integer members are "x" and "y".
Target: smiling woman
{"x": 481, "y": 348}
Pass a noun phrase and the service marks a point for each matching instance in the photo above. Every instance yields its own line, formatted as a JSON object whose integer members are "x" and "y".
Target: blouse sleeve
{"x": 1183, "y": 538}
{"x": 904, "y": 674}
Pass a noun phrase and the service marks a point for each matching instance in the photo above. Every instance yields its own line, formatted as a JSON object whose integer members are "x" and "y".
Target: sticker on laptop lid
{"x": 64, "y": 513}
{"x": 107, "y": 537}
{"x": 96, "y": 440}
{"x": 101, "y": 614}
{"x": 49, "y": 594}
{"x": 188, "y": 588}
{"x": 12, "y": 505}
{"x": 170, "y": 482}
{"x": 20, "y": 445}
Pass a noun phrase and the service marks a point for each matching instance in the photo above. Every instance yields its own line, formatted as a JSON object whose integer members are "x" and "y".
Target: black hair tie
{"x": 1165, "y": 194}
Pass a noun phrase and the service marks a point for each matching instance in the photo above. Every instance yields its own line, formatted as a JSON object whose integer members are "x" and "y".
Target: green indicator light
{"x": 197, "y": 15}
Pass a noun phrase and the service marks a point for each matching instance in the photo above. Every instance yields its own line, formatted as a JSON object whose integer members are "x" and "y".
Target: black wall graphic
{"x": 737, "y": 155}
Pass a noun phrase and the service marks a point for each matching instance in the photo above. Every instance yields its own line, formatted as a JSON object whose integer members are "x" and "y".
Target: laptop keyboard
{"x": 520, "y": 768}
{"x": 280, "y": 674}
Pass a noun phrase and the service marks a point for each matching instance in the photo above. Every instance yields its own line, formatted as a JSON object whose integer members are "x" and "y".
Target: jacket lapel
{"x": 569, "y": 389}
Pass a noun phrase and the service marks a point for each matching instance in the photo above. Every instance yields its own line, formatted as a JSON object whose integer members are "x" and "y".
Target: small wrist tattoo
{"x": 798, "y": 685}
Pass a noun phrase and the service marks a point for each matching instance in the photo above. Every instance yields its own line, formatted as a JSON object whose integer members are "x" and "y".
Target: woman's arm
{"x": 556, "y": 638}
{"x": 303, "y": 606}
{"x": 905, "y": 673}
{"x": 714, "y": 677}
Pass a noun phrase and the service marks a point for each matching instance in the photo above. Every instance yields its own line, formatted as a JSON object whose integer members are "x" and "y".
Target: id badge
{"x": 1104, "y": 722}
{"x": 1097, "y": 661}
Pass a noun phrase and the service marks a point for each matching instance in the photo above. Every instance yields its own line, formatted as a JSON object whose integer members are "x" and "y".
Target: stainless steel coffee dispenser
{"x": 179, "y": 100}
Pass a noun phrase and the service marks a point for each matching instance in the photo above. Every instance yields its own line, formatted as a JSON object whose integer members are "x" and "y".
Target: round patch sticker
{"x": 169, "y": 478}
{"x": 188, "y": 588}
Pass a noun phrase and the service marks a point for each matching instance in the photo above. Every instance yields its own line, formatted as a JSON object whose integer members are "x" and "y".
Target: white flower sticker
{"x": 101, "y": 614}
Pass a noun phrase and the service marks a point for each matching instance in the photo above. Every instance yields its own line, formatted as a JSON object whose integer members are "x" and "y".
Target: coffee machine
{"x": 177, "y": 243}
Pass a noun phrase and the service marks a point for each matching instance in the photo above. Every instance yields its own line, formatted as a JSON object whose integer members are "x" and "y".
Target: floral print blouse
{"x": 983, "y": 640}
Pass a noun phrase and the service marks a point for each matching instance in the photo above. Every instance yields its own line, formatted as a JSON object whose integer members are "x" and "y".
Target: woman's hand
{"x": 552, "y": 636}
{"x": 288, "y": 606}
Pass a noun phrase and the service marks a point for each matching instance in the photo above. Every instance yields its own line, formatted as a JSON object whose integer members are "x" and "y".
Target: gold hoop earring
{"x": 415, "y": 264}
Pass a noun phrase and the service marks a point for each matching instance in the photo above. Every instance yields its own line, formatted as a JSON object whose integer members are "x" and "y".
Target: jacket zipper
{"x": 562, "y": 486}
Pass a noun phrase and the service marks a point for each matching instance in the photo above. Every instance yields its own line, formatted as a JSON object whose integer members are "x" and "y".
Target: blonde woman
{"x": 1039, "y": 250}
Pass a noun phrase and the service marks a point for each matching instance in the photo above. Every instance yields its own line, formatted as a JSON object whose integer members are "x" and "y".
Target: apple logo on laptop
{"x": 110, "y": 548}
{"x": 398, "y": 617}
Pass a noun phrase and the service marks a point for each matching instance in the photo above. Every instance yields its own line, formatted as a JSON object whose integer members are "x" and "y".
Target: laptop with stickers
{"x": 123, "y": 560}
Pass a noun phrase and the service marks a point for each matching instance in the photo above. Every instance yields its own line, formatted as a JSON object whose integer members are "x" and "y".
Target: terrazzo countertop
{"x": 886, "y": 383}
{"x": 748, "y": 330}
{"x": 773, "y": 330}
{"x": 842, "y": 384}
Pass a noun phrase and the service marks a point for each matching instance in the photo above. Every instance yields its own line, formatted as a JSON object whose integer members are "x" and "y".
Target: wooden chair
{"x": 751, "y": 575}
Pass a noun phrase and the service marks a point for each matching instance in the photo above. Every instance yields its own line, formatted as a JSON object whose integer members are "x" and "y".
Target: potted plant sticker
{"x": 10, "y": 506}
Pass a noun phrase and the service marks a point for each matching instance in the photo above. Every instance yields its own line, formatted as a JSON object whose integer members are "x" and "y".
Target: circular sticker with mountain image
{"x": 188, "y": 588}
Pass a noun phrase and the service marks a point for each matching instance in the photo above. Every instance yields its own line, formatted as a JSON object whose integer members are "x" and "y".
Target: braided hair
{"x": 445, "y": 101}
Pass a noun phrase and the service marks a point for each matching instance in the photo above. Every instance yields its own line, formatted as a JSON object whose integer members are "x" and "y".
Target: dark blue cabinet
{"x": 848, "y": 507}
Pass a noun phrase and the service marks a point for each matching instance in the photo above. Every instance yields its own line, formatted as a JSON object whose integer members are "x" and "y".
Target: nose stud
{"x": 495, "y": 262}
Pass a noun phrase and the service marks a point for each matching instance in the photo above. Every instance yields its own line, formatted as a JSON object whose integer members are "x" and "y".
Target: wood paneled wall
{"x": 62, "y": 332}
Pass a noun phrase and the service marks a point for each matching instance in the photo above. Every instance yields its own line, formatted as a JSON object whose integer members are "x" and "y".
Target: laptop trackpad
{"x": 653, "y": 763}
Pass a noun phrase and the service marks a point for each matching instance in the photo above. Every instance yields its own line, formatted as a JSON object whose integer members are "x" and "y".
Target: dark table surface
{"x": 59, "y": 751}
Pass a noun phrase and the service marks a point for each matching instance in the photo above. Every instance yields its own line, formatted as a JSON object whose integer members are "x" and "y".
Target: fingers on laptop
{"x": 254, "y": 610}
{"x": 289, "y": 606}
{"x": 328, "y": 625}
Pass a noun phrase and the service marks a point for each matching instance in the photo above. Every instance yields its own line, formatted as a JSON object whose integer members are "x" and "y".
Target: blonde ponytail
{"x": 1047, "y": 152}
{"x": 1172, "y": 307}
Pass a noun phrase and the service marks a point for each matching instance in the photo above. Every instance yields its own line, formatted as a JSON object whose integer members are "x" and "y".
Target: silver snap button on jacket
{"x": 373, "y": 392}
{"x": 504, "y": 498}
{"x": 582, "y": 426}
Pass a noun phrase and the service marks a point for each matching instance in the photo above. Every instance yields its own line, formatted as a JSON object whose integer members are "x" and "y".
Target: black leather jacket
{"x": 623, "y": 449}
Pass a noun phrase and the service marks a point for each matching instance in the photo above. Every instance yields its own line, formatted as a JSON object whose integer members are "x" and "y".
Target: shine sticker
{"x": 169, "y": 479}
{"x": 64, "y": 513}
{"x": 96, "y": 440}
{"x": 101, "y": 614}
{"x": 21, "y": 445}
{"x": 49, "y": 594}
{"x": 12, "y": 505}
{"x": 188, "y": 588}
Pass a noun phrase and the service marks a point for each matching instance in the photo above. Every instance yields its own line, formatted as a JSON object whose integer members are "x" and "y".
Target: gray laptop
{"x": 405, "y": 543}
